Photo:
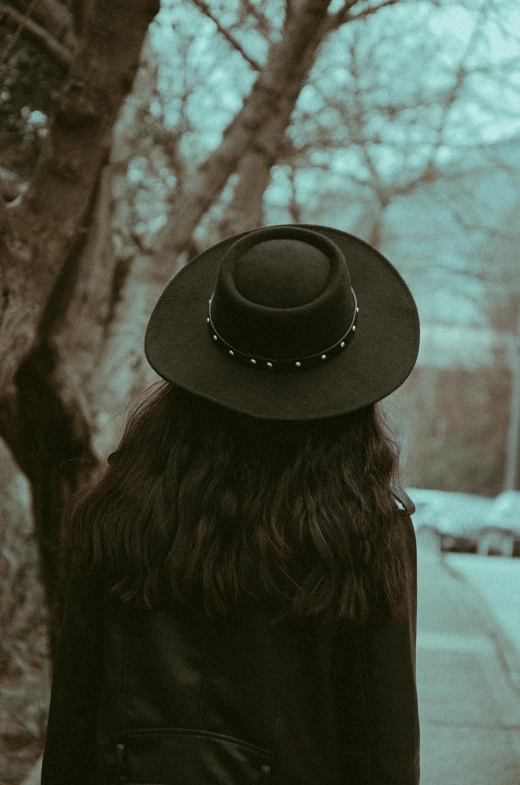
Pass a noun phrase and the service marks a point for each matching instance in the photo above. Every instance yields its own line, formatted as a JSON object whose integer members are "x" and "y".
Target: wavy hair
{"x": 198, "y": 501}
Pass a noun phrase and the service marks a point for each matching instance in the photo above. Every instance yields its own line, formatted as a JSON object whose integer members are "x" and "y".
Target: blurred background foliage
{"x": 402, "y": 125}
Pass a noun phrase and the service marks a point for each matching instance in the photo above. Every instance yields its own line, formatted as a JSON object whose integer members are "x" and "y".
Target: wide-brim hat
{"x": 292, "y": 322}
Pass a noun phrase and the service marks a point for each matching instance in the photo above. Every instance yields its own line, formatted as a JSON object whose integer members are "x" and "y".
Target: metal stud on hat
{"x": 283, "y": 364}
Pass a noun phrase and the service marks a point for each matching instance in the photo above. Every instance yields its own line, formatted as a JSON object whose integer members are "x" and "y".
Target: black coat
{"x": 179, "y": 699}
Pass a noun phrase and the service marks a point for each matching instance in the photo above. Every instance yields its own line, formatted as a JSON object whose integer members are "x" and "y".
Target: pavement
{"x": 469, "y": 701}
{"x": 497, "y": 581}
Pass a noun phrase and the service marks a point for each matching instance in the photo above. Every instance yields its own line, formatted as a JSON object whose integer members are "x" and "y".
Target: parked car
{"x": 446, "y": 521}
{"x": 500, "y": 533}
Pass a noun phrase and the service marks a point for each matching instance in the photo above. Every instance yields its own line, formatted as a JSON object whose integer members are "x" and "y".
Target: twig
{"x": 344, "y": 14}
{"x": 17, "y": 32}
{"x": 372, "y": 10}
{"x": 336, "y": 20}
{"x": 460, "y": 76}
{"x": 60, "y": 52}
{"x": 263, "y": 22}
{"x": 206, "y": 10}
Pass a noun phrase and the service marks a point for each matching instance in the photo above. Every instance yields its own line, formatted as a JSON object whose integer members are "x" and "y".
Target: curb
{"x": 507, "y": 653}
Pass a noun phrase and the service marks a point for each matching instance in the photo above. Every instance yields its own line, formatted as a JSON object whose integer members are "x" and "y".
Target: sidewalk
{"x": 497, "y": 581}
{"x": 469, "y": 706}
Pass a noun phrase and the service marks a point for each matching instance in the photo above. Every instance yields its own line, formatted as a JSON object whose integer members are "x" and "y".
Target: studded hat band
{"x": 283, "y": 364}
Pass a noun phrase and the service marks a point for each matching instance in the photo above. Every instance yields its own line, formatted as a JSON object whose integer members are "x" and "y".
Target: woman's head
{"x": 202, "y": 501}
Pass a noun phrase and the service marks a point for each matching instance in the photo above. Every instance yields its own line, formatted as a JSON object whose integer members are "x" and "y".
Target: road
{"x": 469, "y": 704}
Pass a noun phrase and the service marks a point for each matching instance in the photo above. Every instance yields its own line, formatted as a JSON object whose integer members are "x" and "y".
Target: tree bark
{"x": 99, "y": 339}
{"x": 45, "y": 232}
{"x": 45, "y": 414}
{"x": 254, "y": 168}
{"x": 246, "y": 209}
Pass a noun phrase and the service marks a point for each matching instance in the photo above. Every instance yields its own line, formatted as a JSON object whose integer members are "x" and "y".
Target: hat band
{"x": 283, "y": 364}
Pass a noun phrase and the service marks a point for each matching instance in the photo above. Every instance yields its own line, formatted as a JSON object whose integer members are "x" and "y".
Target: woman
{"x": 243, "y": 601}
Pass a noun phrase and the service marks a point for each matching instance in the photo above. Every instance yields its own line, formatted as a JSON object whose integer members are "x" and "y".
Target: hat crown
{"x": 282, "y": 293}
{"x": 282, "y": 273}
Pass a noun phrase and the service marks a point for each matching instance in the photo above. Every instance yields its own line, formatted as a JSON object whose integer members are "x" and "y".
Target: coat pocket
{"x": 184, "y": 756}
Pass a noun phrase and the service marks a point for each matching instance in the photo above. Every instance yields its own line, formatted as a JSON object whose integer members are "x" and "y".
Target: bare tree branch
{"x": 21, "y": 24}
{"x": 295, "y": 208}
{"x": 460, "y": 76}
{"x": 273, "y": 95}
{"x": 54, "y": 17}
{"x": 230, "y": 38}
{"x": 264, "y": 24}
{"x": 371, "y": 10}
{"x": 345, "y": 14}
{"x": 60, "y": 52}
{"x": 337, "y": 19}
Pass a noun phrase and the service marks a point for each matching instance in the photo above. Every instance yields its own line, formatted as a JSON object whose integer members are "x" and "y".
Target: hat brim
{"x": 376, "y": 362}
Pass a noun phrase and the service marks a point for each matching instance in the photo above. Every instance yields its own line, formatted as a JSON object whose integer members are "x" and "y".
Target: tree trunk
{"x": 254, "y": 168}
{"x": 47, "y": 250}
{"x": 42, "y": 237}
{"x": 245, "y": 210}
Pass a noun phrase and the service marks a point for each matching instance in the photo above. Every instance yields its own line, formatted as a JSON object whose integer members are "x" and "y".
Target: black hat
{"x": 296, "y": 322}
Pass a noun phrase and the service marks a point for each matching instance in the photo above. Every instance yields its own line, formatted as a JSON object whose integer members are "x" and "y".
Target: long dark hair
{"x": 200, "y": 501}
